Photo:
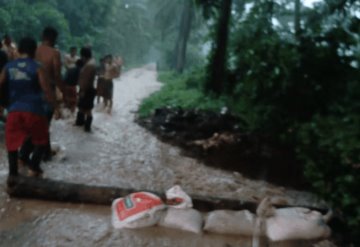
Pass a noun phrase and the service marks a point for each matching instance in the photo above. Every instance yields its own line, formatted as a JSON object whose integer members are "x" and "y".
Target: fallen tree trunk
{"x": 47, "y": 189}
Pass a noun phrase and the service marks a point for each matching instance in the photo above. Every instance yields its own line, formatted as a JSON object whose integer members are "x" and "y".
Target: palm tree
{"x": 183, "y": 36}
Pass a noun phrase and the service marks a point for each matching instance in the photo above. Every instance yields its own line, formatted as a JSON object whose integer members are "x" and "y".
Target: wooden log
{"x": 47, "y": 189}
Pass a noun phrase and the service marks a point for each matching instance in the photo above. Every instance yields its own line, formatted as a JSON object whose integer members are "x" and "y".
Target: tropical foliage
{"x": 290, "y": 72}
{"x": 138, "y": 30}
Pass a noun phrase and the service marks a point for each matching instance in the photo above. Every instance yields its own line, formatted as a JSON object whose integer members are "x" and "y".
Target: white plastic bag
{"x": 230, "y": 222}
{"x": 140, "y": 209}
{"x": 188, "y": 219}
{"x": 177, "y": 198}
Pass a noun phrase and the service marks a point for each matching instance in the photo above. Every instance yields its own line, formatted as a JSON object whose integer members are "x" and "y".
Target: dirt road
{"x": 118, "y": 152}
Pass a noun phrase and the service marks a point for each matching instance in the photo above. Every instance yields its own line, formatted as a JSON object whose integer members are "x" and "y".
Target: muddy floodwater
{"x": 120, "y": 153}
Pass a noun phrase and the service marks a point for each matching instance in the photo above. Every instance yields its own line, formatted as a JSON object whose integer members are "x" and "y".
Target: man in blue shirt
{"x": 26, "y": 113}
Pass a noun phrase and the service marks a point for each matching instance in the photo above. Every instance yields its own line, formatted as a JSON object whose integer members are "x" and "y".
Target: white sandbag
{"x": 295, "y": 224}
{"x": 140, "y": 209}
{"x": 183, "y": 219}
{"x": 177, "y": 198}
{"x": 149, "y": 219}
{"x": 230, "y": 222}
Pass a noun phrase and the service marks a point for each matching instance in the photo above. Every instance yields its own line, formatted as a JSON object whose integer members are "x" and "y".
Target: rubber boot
{"x": 80, "y": 119}
{"x": 13, "y": 163}
{"x": 25, "y": 151}
{"x": 47, "y": 152}
{"x": 34, "y": 164}
{"x": 88, "y": 121}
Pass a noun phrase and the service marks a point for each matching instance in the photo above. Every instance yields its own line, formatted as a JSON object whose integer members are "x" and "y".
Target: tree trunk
{"x": 184, "y": 33}
{"x": 217, "y": 66}
{"x": 297, "y": 19}
{"x": 46, "y": 189}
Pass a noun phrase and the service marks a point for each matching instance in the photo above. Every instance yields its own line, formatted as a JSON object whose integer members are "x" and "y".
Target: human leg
{"x": 86, "y": 104}
{"x": 25, "y": 150}
{"x": 13, "y": 163}
{"x": 13, "y": 168}
{"x": 80, "y": 118}
{"x": 72, "y": 98}
{"x": 48, "y": 151}
{"x": 40, "y": 137}
{"x": 2, "y": 117}
{"x": 110, "y": 105}
{"x": 111, "y": 92}
{"x": 88, "y": 121}
{"x": 16, "y": 132}
{"x": 34, "y": 163}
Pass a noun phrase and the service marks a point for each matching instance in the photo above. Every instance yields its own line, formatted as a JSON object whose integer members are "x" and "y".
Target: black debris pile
{"x": 217, "y": 138}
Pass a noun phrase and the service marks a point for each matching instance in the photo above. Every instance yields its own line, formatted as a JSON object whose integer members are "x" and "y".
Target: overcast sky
{"x": 309, "y": 3}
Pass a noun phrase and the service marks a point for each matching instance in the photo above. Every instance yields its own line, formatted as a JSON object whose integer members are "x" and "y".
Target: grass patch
{"x": 183, "y": 91}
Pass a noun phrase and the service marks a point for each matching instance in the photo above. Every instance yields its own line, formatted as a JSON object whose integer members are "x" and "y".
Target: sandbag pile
{"x": 180, "y": 213}
{"x": 143, "y": 209}
{"x": 230, "y": 222}
{"x": 137, "y": 210}
{"x": 292, "y": 223}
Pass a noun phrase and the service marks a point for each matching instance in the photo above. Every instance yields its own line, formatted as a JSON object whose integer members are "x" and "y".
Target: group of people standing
{"x": 33, "y": 90}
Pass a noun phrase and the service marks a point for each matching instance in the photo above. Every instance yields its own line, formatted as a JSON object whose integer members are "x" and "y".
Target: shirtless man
{"x": 49, "y": 57}
{"x": 100, "y": 87}
{"x": 87, "y": 90}
{"x": 112, "y": 71}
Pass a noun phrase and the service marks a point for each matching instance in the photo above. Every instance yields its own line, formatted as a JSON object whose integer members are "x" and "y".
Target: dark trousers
{"x": 32, "y": 162}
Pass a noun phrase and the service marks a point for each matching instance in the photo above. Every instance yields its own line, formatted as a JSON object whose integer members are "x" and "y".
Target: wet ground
{"x": 120, "y": 153}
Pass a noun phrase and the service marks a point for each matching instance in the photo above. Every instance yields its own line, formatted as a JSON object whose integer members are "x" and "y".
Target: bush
{"x": 180, "y": 91}
{"x": 330, "y": 149}
{"x": 300, "y": 91}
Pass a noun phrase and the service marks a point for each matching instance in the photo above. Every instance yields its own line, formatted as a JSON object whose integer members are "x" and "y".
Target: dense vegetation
{"x": 286, "y": 70}
{"x": 139, "y": 30}
{"x": 290, "y": 72}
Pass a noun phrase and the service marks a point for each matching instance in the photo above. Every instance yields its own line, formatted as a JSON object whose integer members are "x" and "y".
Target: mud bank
{"x": 216, "y": 139}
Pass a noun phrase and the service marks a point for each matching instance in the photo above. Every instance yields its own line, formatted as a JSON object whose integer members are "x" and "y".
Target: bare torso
{"x": 111, "y": 71}
{"x": 49, "y": 57}
{"x": 87, "y": 75}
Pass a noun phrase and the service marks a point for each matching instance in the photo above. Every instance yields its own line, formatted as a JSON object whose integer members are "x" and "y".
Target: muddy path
{"x": 120, "y": 153}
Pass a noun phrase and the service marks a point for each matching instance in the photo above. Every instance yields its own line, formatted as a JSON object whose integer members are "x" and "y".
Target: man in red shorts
{"x": 27, "y": 115}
